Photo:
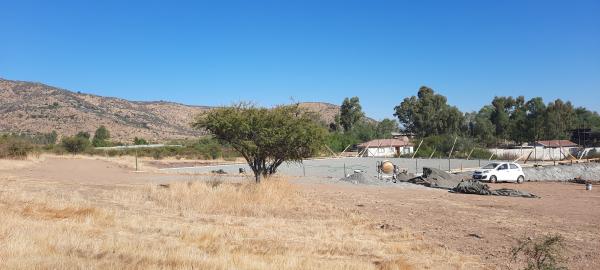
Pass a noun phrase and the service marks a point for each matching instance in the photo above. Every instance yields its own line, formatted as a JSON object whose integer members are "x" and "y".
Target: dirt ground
{"x": 483, "y": 226}
{"x": 486, "y": 226}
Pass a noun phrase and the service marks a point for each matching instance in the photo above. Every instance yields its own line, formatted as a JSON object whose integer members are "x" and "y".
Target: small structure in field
{"x": 556, "y": 144}
{"x": 385, "y": 148}
{"x": 539, "y": 150}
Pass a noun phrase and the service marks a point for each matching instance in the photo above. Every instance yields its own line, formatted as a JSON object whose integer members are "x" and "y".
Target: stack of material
{"x": 436, "y": 178}
{"x": 476, "y": 187}
{"x": 358, "y": 178}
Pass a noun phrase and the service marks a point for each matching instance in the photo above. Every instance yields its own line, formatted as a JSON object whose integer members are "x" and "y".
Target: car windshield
{"x": 491, "y": 166}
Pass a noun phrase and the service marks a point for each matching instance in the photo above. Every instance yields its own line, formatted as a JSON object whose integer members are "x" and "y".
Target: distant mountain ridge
{"x": 35, "y": 107}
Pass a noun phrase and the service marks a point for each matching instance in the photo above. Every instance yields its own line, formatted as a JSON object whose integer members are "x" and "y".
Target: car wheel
{"x": 521, "y": 179}
{"x": 493, "y": 179}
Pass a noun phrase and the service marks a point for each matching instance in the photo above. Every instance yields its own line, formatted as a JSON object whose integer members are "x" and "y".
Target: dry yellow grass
{"x": 198, "y": 225}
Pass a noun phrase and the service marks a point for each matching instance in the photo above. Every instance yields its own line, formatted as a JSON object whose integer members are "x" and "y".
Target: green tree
{"x": 335, "y": 126}
{"x": 560, "y": 118}
{"x": 265, "y": 137}
{"x": 350, "y": 113}
{"x": 385, "y": 128}
{"x": 483, "y": 128}
{"x": 364, "y": 131}
{"x": 587, "y": 119}
{"x": 501, "y": 116}
{"x": 536, "y": 118}
{"x": 518, "y": 121}
{"x": 428, "y": 114}
{"x": 101, "y": 137}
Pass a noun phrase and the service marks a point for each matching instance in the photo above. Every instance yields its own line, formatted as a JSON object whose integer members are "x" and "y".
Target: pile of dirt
{"x": 588, "y": 171}
{"x": 479, "y": 188}
{"x": 436, "y": 178}
{"x": 362, "y": 178}
{"x": 356, "y": 178}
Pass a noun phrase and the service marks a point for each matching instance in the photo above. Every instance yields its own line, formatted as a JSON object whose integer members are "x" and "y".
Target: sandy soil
{"x": 484, "y": 226}
{"x": 487, "y": 226}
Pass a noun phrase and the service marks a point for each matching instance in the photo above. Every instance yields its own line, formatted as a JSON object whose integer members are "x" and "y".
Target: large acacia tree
{"x": 265, "y": 137}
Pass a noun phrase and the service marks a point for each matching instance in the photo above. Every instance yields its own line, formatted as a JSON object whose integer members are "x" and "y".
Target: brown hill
{"x": 35, "y": 107}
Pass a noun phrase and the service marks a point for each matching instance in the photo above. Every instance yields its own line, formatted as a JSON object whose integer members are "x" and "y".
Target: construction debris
{"x": 436, "y": 178}
{"x": 479, "y": 188}
{"x": 580, "y": 180}
{"x": 359, "y": 177}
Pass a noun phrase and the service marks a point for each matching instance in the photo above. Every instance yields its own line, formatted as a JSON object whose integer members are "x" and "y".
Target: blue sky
{"x": 273, "y": 52}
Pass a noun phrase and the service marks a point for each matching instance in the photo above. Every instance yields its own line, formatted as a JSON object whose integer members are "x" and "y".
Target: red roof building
{"x": 385, "y": 148}
{"x": 385, "y": 143}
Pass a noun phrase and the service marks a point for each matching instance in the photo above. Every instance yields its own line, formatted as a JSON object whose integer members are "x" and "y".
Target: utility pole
{"x": 136, "y": 160}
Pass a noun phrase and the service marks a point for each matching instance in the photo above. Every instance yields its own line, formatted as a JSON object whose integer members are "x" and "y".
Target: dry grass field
{"x": 198, "y": 225}
{"x": 94, "y": 213}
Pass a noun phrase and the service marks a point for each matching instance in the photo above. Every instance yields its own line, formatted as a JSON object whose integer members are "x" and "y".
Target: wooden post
{"x": 334, "y": 154}
{"x": 415, "y": 153}
{"x": 136, "y": 162}
{"x": 469, "y": 156}
{"x": 430, "y": 156}
{"x": 452, "y": 149}
{"x": 345, "y": 149}
{"x": 366, "y": 150}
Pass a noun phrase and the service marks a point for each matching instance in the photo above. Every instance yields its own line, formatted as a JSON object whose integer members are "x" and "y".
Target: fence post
{"x": 345, "y": 170}
{"x": 304, "y": 170}
{"x": 416, "y": 166}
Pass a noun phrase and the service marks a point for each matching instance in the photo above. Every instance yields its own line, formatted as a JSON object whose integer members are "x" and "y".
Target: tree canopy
{"x": 428, "y": 114}
{"x": 350, "y": 113}
{"x": 265, "y": 137}
{"x": 101, "y": 137}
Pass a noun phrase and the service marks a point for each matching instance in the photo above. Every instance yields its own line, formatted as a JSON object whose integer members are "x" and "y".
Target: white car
{"x": 500, "y": 171}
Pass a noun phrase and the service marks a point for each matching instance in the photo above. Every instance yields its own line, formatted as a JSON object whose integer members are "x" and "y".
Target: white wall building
{"x": 385, "y": 148}
{"x": 540, "y": 150}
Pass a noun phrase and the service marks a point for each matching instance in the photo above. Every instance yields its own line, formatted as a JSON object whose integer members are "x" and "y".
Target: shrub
{"x": 75, "y": 144}
{"x": 139, "y": 141}
{"x": 208, "y": 148}
{"x": 14, "y": 148}
{"x": 479, "y": 153}
{"x": 339, "y": 141}
{"x": 542, "y": 254}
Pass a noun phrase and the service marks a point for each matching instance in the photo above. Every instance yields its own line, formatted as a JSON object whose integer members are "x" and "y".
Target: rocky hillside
{"x": 35, "y": 107}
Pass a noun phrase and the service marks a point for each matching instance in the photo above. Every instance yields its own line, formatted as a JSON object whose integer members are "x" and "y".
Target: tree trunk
{"x": 257, "y": 177}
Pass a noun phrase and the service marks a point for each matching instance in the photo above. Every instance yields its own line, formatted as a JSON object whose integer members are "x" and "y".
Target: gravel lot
{"x": 338, "y": 167}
